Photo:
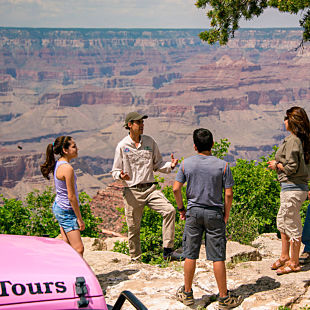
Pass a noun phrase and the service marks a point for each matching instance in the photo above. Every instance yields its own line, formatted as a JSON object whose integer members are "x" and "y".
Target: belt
{"x": 143, "y": 185}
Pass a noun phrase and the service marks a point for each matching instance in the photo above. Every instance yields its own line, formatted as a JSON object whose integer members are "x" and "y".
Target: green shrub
{"x": 14, "y": 218}
{"x": 256, "y": 195}
{"x": 35, "y": 216}
{"x": 91, "y": 222}
{"x": 41, "y": 218}
{"x": 256, "y": 200}
{"x": 242, "y": 226}
{"x": 220, "y": 149}
{"x": 121, "y": 247}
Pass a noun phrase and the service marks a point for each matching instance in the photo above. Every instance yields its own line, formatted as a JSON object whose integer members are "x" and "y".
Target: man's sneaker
{"x": 186, "y": 298}
{"x": 169, "y": 254}
{"x": 135, "y": 260}
{"x": 304, "y": 258}
{"x": 229, "y": 301}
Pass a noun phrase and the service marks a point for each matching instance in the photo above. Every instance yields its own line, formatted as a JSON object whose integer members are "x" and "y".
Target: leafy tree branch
{"x": 225, "y": 16}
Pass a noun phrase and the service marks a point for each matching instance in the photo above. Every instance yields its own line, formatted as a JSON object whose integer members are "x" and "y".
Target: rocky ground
{"x": 248, "y": 272}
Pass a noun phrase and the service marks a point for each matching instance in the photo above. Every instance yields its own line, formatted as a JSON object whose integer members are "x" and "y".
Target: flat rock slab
{"x": 248, "y": 274}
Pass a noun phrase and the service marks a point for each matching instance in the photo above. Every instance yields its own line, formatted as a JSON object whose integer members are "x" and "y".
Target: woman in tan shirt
{"x": 291, "y": 163}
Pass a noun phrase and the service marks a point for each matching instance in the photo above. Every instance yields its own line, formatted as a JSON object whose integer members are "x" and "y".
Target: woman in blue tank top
{"x": 66, "y": 206}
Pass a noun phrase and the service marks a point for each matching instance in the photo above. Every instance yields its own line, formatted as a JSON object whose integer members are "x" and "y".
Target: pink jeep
{"x": 45, "y": 273}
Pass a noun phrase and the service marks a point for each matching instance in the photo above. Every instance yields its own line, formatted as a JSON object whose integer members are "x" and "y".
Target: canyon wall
{"x": 82, "y": 82}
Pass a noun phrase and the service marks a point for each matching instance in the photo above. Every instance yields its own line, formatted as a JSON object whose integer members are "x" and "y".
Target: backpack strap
{"x": 183, "y": 166}
{"x": 225, "y": 169}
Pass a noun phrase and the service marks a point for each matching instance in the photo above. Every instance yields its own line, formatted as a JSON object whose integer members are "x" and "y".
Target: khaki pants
{"x": 288, "y": 218}
{"x": 135, "y": 200}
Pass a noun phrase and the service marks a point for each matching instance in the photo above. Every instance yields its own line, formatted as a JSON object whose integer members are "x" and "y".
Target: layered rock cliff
{"x": 107, "y": 204}
{"x": 82, "y": 82}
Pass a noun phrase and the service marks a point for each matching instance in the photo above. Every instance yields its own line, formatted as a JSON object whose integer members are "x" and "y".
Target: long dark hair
{"x": 298, "y": 124}
{"x": 62, "y": 142}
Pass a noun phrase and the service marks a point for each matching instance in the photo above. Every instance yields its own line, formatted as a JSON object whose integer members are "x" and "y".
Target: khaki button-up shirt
{"x": 139, "y": 162}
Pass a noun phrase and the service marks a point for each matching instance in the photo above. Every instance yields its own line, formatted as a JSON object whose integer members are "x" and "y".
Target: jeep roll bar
{"x": 81, "y": 291}
{"x": 127, "y": 295}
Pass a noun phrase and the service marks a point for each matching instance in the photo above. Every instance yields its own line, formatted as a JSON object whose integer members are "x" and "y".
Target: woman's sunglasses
{"x": 285, "y": 118}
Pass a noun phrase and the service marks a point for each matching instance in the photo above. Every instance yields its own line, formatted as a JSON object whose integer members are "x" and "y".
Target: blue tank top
{"x": 61, "y": 189}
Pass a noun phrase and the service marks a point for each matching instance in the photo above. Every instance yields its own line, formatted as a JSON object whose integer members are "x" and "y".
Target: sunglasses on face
{"x": 285, "y": 118}
{"x": 139, "y": 122}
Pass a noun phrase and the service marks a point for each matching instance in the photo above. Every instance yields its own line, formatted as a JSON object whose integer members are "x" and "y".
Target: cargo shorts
{"x": 208, "y": 221}
{"x": 288, "y": 218}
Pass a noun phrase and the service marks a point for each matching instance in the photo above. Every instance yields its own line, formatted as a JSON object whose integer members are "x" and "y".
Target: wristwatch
{"x": 182, "y": 209}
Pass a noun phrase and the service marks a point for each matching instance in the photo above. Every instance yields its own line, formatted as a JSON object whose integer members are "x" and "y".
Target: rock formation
{"x": 107, "y": 204}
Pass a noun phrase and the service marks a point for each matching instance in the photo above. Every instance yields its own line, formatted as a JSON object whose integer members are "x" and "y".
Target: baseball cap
{"x": 134, "y": 116}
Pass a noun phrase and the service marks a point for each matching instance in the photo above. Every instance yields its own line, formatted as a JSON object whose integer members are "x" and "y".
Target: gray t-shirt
{"x": 206, "y": 177}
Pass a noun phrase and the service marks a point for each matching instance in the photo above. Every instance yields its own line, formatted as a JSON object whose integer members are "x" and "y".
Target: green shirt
{"x": 291, "y": 155}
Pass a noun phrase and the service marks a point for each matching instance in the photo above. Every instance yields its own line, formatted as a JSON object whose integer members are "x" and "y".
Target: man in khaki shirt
{"x": 136, "y": 157}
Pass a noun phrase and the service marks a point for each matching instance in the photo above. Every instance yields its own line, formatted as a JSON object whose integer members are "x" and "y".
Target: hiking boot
{"x": 229, "y": 301}
{"x": 186, "y": 298}
{"x": 304, "y": 258}
{"x": 169, "y": 254}
{"x": 135, "y": 260}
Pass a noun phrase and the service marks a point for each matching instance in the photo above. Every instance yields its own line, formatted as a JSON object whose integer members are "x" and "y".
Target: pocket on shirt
{"x": 146, "y": 156}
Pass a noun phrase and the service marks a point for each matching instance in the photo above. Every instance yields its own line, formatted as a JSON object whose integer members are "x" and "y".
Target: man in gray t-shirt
{"x": 206, "y": 177}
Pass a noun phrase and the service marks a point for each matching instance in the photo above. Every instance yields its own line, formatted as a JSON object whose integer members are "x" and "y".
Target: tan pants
{"x": 288, "y": 218}
{"x": 135, "y": 200}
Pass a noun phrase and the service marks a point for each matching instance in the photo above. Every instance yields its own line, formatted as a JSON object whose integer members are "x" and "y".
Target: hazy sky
{"x": 120, "y": 14}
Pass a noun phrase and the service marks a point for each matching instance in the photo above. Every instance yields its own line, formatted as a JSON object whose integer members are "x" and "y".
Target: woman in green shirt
{"x": 291, "y": 163}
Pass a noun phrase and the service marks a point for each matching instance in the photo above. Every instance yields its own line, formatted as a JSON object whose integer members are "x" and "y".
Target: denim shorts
{"x": 208, "y": 221}
{"x": 66, "y": 218}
